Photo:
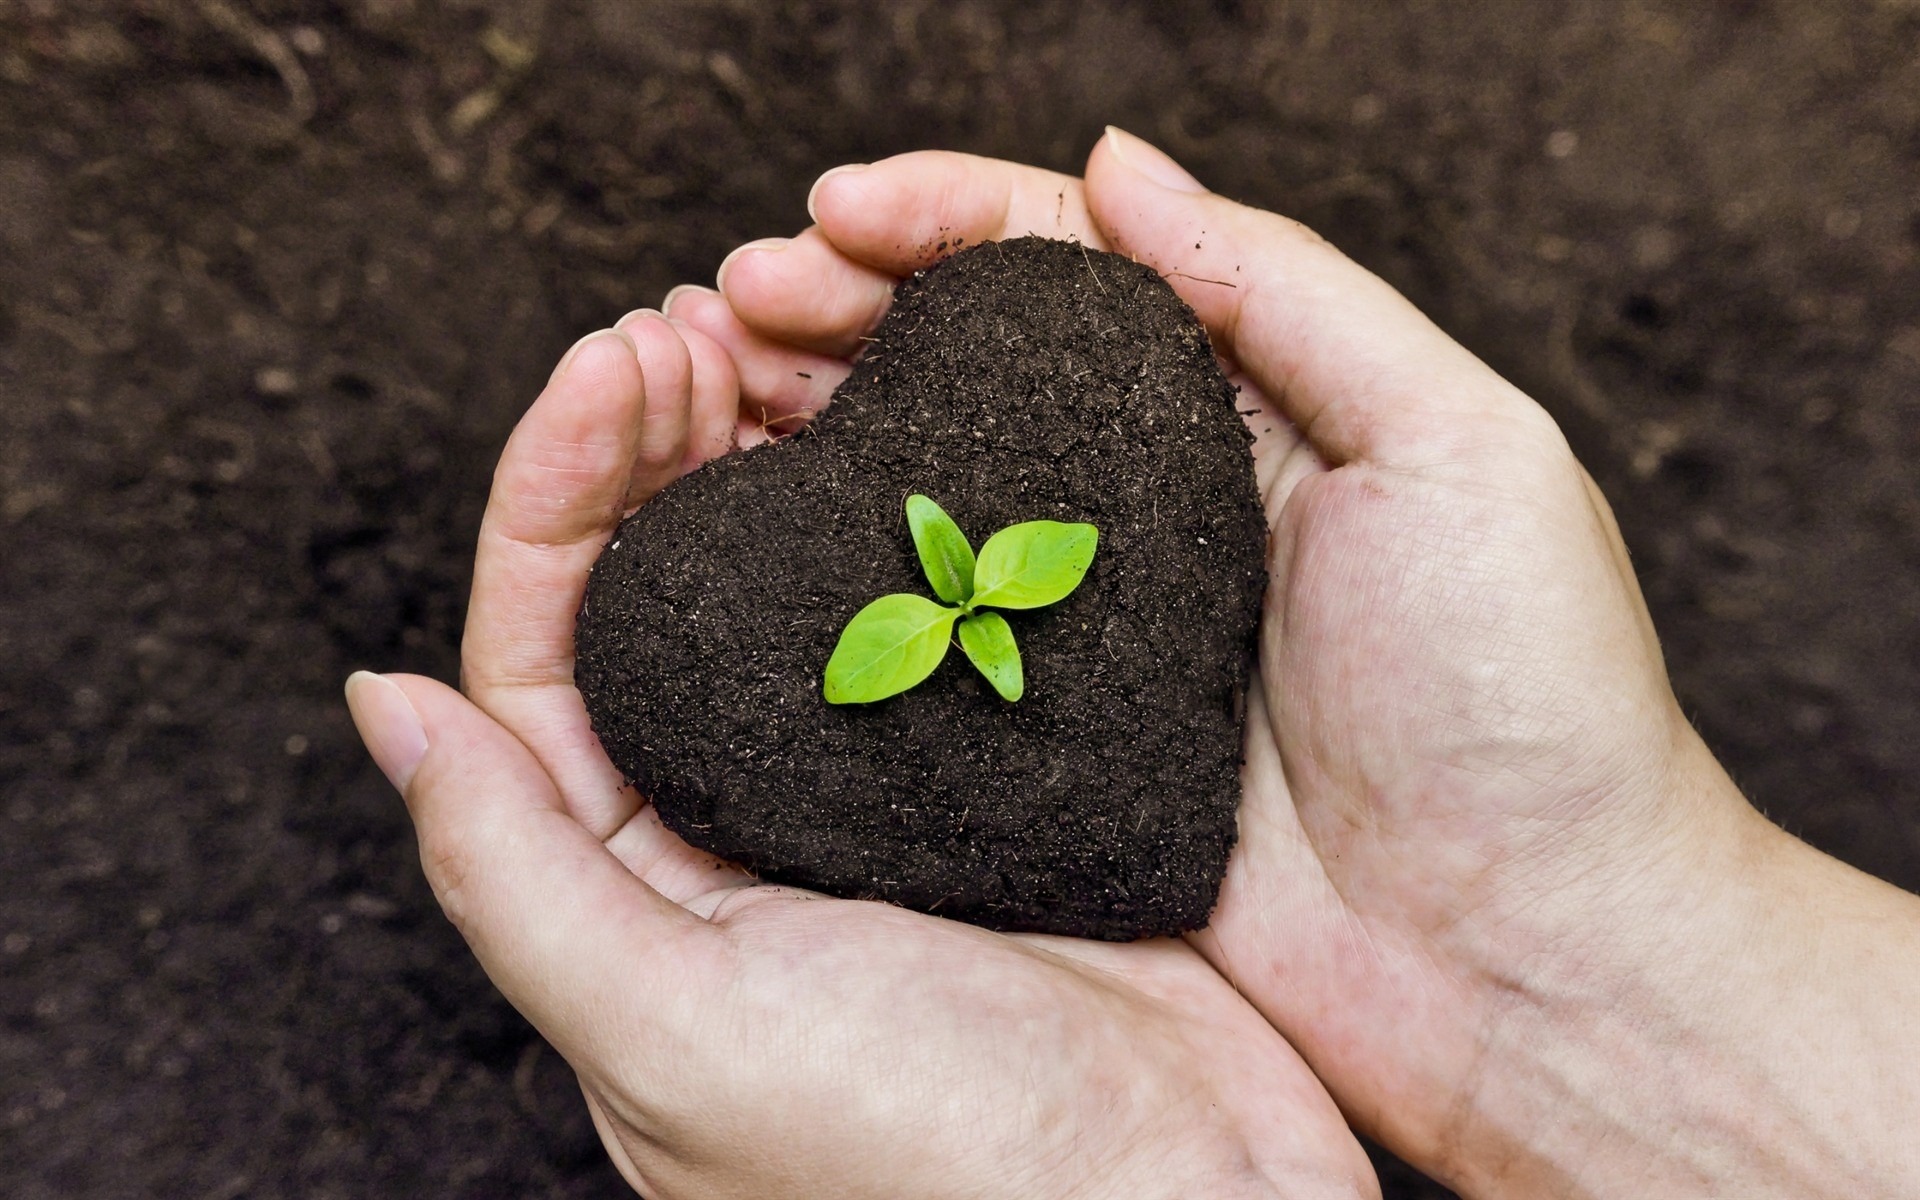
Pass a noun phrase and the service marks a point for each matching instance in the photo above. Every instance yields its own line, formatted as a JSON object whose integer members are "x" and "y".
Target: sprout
{"x": 897, "y": 641}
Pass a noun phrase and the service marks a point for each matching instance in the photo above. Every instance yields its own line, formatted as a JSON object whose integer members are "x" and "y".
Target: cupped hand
{"x": 1487, "y": 870}
{"x": 736, "y": 1040}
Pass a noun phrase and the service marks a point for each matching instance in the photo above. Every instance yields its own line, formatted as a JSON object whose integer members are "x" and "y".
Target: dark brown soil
{"x": 1015, "y": 381}
{"x": 261, "y": 341}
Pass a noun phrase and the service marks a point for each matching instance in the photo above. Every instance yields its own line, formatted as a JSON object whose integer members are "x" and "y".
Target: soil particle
{"x": 1014, "y": 381}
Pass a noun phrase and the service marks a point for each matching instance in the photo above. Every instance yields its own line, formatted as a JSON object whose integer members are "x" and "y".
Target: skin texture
{"x": 748, "y": 1041}
{"x": 1491, "y": 885}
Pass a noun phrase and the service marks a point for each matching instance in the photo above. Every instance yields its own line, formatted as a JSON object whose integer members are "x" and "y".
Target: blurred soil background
{"x": 277, "y": 276}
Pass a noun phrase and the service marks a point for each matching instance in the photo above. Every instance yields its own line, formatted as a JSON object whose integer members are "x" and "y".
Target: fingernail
{"x": 1149, "y": 160}
{"x": 766, "y": 244}
{"x": 388, "y": 725}
{"x": 639, "y": 314}
{"x": 666, "y": 305}
{"x": 573, "y": 352}
{"x": 814, "y": 191}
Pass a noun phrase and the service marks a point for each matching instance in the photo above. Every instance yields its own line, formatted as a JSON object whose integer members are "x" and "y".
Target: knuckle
{"x": 1300, "y": 232}
{"x": 663, "y": 449}
{"x": 449, "y": 867}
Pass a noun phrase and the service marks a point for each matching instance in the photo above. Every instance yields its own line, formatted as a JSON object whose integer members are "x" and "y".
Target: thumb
{"x": 583, "y": 948}
{"x": 1356, "y": 367}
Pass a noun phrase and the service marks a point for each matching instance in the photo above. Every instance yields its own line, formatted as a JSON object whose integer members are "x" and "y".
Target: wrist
{"x": 1736, "y": 1028}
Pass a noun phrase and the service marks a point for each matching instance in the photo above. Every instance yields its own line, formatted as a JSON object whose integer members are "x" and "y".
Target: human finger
{"x": 780, "y": 384}
{"x": 578, "y": 459}
{"x": 666, "y": 369}
{"x": 803, "y": 292}
{"x": 563, "y": 481}
{"x": 558, "y": 491}
{"x": 716, "y": 397}
{"x": 906, "y": 212}
{"x": 1361, "y": 371}
{"x": 716, "y": 374}
{"x": 589, "y": 953}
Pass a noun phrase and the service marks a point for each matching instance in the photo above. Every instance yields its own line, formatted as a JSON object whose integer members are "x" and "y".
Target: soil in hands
{"x": 1014, "y": 381}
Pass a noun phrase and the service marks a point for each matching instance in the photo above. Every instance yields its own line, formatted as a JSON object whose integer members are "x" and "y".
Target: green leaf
{"x": 1033, "y": 563}
{"x": 944, "y": 553}
{"x": 988, "y": 641}
{"x": 889, "y": 646}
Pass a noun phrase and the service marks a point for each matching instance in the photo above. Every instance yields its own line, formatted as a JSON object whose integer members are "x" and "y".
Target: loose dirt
{"x": 1015, "y": 381}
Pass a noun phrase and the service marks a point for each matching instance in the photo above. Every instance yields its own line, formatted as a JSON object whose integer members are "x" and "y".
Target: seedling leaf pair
{"x": 897, "y": 641}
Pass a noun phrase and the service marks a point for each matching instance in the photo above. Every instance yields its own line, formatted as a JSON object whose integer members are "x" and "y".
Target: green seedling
{"x": 897, "y": 641}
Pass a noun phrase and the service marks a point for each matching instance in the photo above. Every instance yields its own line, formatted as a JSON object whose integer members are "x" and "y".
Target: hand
{"x": 745, "y": 1041}
{"x": 1490, "y": 881}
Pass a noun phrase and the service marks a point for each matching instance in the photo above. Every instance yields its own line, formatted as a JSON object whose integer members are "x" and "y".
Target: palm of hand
{"x": 866, "y": 1051}
{"x": 1437, "y": 739}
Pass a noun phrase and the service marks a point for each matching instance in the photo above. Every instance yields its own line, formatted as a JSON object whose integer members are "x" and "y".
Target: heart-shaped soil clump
{"x": 1014, "y": 381}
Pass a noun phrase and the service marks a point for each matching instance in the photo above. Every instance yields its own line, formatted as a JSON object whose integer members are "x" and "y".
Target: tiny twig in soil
{"x": 1199, "y": 279}
{"x": 767, "y": 424}
{"x": 1089, "y": 261}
